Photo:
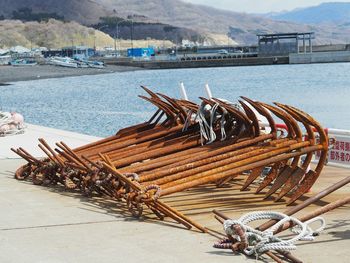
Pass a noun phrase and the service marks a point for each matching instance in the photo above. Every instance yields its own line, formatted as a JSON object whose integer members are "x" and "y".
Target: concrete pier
{"x": 319, "y": 57}
{"x": 254, "y": 61}
{"x": 52, "y": 225}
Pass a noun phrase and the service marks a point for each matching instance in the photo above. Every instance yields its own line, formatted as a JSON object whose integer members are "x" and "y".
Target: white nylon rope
{"x": 261, "y": 241}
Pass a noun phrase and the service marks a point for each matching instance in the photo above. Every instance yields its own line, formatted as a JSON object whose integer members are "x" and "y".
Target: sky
{"x": 260, "y": 6}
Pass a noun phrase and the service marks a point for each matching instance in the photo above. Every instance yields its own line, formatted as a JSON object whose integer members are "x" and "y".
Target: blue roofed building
{"x": 141, "y": 52}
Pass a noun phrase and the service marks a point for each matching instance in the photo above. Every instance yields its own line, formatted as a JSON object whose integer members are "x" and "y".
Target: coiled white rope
{"x": 261, "y": 241}
{"x": 11, "y": 124}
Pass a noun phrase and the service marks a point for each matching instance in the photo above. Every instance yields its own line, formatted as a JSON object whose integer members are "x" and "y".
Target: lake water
{"x": 102, "y": 104}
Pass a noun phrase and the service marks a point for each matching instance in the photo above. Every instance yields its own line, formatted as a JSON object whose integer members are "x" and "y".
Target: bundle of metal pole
{"x": 241, "y": 166}
{"x": 220, "y": 163}
{"x": 165, "y": 155}
{"x": 192, "y": 155}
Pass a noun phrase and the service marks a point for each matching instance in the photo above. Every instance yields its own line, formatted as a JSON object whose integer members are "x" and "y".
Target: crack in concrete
{"x": 58, "y": 225}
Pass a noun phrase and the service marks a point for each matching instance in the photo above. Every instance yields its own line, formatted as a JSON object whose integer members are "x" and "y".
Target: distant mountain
{"x": 166, "y": 19}
{"x": 331, "y": 13}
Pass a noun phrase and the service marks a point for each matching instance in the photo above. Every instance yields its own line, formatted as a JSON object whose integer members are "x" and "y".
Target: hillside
{"x": 335, "y": 13}
{"x": 197, "y": 20}
{"x": 56, "y": 34}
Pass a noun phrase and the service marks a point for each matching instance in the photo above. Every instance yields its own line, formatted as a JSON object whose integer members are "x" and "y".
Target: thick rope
{"x": 262, "y": 241}
{"x": 9, "y": 125}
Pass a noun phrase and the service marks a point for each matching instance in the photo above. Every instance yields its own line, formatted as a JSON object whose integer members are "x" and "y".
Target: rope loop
{"x": 256, "y": 242}
{"x": 134, "y": 204}
{"x": 150, "y": 196}
{"x": 133, "y": 176}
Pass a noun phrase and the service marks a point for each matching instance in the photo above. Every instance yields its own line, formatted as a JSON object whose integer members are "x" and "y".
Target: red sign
{"x": 339, "y": 150}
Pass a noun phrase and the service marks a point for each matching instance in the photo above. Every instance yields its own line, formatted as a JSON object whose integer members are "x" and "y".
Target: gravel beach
{"x": 12, "y": 74}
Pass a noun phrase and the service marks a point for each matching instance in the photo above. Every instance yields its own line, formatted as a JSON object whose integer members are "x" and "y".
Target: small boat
{"x": 5, "y": 60}
{"x": 96, "y": 64}
{"x": 63, "y": 62}
{"x": 92, "y": 64}
{"x": 23, "y": 62}
{"x": 82, "y": 64}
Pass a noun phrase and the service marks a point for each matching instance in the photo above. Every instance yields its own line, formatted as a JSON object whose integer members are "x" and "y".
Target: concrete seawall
{"x": 203, "y": 63}
{"x": 320, "y": 57}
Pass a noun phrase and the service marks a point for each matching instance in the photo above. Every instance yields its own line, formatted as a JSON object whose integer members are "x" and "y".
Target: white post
{"x": 207, "y": 89}
{"x": 183, "y": 91}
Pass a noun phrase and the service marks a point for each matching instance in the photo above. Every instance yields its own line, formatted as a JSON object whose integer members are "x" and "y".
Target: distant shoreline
{"x": 10, "y": 74}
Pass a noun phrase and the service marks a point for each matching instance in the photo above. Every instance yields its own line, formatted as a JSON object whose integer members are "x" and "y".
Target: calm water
{"x": 100, "y": 105}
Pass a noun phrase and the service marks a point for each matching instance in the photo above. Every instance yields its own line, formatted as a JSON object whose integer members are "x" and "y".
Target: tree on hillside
{"x": 26, "y": 14}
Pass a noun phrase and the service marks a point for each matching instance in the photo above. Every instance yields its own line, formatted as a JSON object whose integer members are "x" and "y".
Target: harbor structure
{"x": 283, "y": 44}
{"x": 141, "y": 52}
{"x": 80, "y": 52}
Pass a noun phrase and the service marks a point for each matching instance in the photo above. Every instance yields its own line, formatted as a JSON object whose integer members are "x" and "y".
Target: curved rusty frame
{"x": 295, "y": 178}
{"x": 286, "y": 171}
{"x": 171, "y": 116}
{"x": 245, "y": 127}
{"x": 294, "y": 132}
{"x": 251, "y": 115}
{"x": 261, "y": 110}
{"x": 311, "y": 177}
{"x": 180, "y": 109}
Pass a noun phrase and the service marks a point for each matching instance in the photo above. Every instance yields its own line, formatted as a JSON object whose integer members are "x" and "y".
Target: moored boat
{"x": 63, "y": 62}
{"x": 23, "y": 62}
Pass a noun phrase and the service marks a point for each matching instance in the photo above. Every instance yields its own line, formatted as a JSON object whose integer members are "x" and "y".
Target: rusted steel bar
{"x": 29, "y": 155}
{"x": 155, "y": 153}
{"x": 272, "y": 175}
{"x": 221, "y": 175}
{"x": 211, "y": 150}
{"x": 51, "y": 157}
{"x": 158, "y": 202}
{"x": 129, "y": 137}
{"x": 125, "y": 143}
{"x": 167, "y": 155}
{"x": 73, "y": 154}
{"x": 70, "y": 159}
{"x": 155, "y": 145}
{"x": 309, "y": 201}
{"x": 298, "y": 173}
{"x": 312, "y": 176}
{"x": 320, "y": 211}
{"x": 190, "y": 168}
{"x": 214, "y": 166}
{"x": 59, "y": 161}
{"x": 24, "y": 156}
{"x": 210, "y": 153}
{"x": 244, "y": 160}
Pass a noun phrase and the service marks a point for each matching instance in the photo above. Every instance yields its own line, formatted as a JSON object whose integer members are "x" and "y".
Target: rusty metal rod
{"x": 309, "y": 201}
{"x": 221, "y": 175}
{"x": 244, "y": 160}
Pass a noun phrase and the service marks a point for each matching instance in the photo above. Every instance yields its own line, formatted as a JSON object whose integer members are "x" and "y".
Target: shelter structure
{"x": 282, "y": 44}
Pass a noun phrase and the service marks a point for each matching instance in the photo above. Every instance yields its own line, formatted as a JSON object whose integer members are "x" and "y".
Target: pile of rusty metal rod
{"x": 185, "y": 145}
{"x": 238, "y": 245}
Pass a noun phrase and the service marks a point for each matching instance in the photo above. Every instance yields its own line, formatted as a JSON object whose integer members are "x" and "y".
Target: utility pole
{"x": 115, "y": 44}
{"x": 132, "y": 35}
{"x": 95, "y": 35}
